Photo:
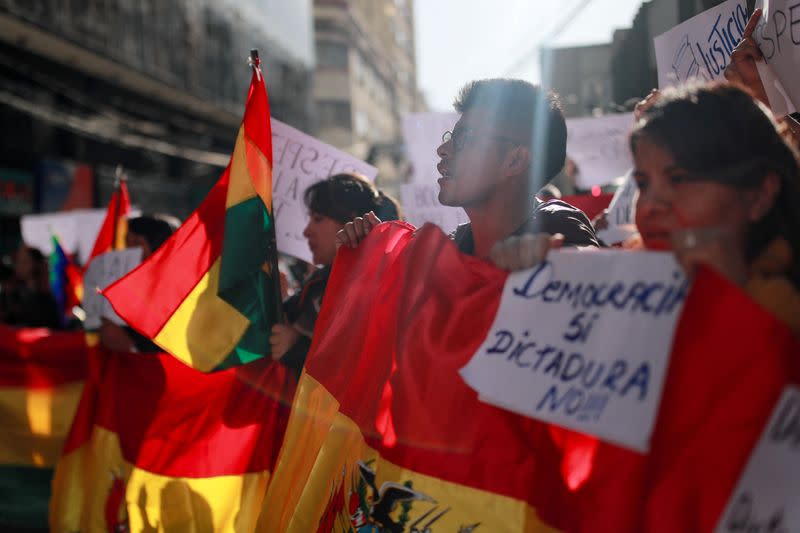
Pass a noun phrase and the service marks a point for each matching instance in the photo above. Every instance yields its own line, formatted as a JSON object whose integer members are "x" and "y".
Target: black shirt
{"x": 550, "y": 217}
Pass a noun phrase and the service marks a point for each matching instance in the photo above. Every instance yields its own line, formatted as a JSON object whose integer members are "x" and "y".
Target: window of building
{"x": 332, "y": 55}
{"x": 333, "y": 114}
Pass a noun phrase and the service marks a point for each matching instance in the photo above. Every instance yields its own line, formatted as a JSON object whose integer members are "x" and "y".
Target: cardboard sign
{"x": 778, "y": 37}
{"x": 583, "y": 341}
{"x": 599, "y": 148}
{"x": 767, "y": 497}
{"x": 102, "y": 272}
{"x": 299, "y": 161}
{"x": 621, "y": 213}
{"x": 701, "y": 47}
{"x": 422, "y": 134}
{"x": 421, "y": 206}
{"x": 76, "y": 231}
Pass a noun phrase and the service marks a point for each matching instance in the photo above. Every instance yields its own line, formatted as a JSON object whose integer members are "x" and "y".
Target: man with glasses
{"x": 509, "y": 141}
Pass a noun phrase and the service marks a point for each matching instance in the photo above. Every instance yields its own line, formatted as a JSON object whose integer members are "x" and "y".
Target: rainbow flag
{"x": 158, "y": 446}
{"x": 41, "y": 377}
{"x": 207, "y": 295}
{"x": 66, "y": 280}
{"x": 399, "y": 442}
{"x": 115, "y": 225}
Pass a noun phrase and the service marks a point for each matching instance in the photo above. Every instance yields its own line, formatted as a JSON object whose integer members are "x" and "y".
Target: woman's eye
{"x": 641, "y": 184}
{"x": 679, "y": 178}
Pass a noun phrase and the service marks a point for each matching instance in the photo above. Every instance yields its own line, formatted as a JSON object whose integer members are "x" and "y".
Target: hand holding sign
{"x": 743, "y": 68}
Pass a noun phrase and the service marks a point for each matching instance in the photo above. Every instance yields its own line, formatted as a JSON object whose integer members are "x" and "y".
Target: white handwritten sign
{"x": 583, "y": 341}
{"x": 421, "y": 205}
{"x": 103, "y": 271}
{"x": 422, "y": 134}
{"x": 299, "y": 161}
{"x": 778, "y": 37}
{"x": 621, "y": 213}
{"x": 599, "y": 148}
{"x": 767, "y": 498}
{"x": 76, "y": 231}
{"x": 700, "y": 47}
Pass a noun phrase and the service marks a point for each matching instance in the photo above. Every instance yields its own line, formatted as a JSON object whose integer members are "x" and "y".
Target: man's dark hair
{"x": 528, "y": 110}
{"x": 345, "y": 196}
{"x": 154, "y": 228}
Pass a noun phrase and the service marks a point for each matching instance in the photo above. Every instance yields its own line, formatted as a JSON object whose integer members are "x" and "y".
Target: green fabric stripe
{"x": 242, "y": 280}
{"x": 24, "y": 496}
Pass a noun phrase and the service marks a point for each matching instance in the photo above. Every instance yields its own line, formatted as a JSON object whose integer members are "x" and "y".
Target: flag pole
{"x": 255, "y": 62}
{"x": 119, "y": 177}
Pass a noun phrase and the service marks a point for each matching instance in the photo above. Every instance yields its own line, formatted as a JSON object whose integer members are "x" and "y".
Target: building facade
{"x": 154, "y": 85}
{"x": 365, "y": 80}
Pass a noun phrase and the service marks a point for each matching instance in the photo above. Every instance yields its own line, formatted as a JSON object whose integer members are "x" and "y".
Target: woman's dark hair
{"x": 155, "y": 229}
{"x": 345, "y": 196}
{"x": 720, "y": 133}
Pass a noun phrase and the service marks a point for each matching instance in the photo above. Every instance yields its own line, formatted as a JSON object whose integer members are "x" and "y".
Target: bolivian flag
{"x": 398, "y": 442}
{"x": 159, "y": 446}
{"x": 41, "y": 376}
{"x": 115, "y": 224}
{"x": 207, "y": 294}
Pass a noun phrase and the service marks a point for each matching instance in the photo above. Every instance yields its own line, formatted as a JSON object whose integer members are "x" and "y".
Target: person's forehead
{"x": 473, "y": 117}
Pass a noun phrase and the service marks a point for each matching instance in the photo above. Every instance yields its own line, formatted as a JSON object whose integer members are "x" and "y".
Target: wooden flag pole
{"x": 255, "y": 62}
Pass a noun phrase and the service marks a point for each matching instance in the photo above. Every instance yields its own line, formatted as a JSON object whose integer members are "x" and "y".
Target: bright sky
{"x": 463, "y": 40}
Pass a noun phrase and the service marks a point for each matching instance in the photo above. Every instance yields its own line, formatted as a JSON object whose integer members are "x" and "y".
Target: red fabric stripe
{"x": 256, "y": 112}
{"x": 175, "y": 421}
{"x": 40, "y": 358}
{"x": 147, "y": 297}
{"x": 403, "y": 315}
{"x": 118, "y": 207}
{"x": 418, "y": 306}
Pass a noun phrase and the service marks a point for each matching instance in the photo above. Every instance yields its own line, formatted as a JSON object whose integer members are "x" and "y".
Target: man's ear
{"x": 518, "y": 161}
{"x": 765, "y": 196}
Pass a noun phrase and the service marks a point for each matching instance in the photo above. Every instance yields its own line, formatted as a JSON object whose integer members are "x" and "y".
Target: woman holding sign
{"x": 719, "y": 185}
{"x": 331, "y": 203}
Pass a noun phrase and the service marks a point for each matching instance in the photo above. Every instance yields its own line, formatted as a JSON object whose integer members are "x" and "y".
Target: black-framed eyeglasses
{"x": 460, "y": 137}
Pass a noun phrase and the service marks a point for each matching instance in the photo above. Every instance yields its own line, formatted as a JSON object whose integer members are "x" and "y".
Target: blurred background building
{"x": 609, "y": 77}
{"x": 86, "y": 85}
{"x": 366, "y": 80}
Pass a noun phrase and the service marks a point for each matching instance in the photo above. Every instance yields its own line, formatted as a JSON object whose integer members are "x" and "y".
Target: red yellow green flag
{"x": 207, "y": 295}
{"x": 41, "y": 376}
{"x": 158, "y": 446}
{"x": 115, "y": 225}
{"x": 384, "y": 435}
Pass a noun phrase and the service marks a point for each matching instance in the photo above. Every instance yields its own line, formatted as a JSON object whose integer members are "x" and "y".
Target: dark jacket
{"x": 301, "y": 311}
{"x": 550, "y": 217}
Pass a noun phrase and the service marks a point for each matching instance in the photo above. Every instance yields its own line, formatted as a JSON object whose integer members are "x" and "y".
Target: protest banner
{"x": 700, "y": 47}
{"x": 300, "y": 161}
{"x": 76, "y": 231}
{"x": 767, "y": 497}
{"x": 621, "y": 215}
{"x": 778, "y": 37}
{"x": 421, "y": 206}
{"x": 571, "y": 366}
{"x": 102, "y": 272}
{"x": 422, "y": 135}
{"x": 599, "y": 148}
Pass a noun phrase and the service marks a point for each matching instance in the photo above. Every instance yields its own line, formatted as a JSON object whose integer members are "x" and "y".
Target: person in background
{"x": 331, "y": 203}
{"x": 147, "y": 232}
{"x": 25, "y": 298}
{"x": 511, "y": 138}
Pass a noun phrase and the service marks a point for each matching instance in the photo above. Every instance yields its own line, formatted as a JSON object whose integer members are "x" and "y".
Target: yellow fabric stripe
{"x": 35, "y": 423}
{"x": 310, "y": 421}
{"x": 240, "y": 188}
{"x": 83, "y": 482}
{"x": 320, "y": 454}
{"x": 122, "y": 233}
{"x": 204, "y": 329}
{"x": 250, "y": 174}
{"x": 224, "y": 503}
